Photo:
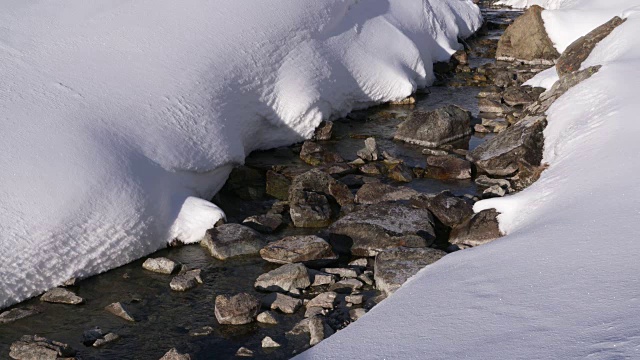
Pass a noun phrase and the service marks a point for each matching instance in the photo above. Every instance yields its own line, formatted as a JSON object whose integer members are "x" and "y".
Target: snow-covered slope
{"x": 563, "y": 283}
{"x": 118, "y": 116}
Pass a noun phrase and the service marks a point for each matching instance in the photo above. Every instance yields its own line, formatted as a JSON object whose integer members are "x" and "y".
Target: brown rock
{"x": 482, "y": 228}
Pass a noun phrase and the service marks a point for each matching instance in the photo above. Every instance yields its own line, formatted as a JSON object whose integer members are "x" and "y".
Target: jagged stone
{"x": 268, "y": 342}
{"x": 308, "y": 249}
{"x": 34, "y": 347}
{"x": 61, "y": 296}
{"x": 286, "y": 278}
{"x": 266, "y": 223}
{"x": 324, "y": 131}
{"x": 448, "y": 208}
{"x": 186, "y": 281}
{"x": 315, "y": 154}
{"x": 230, "y": 240}
{"x": 325, "y": 300}
{"x": 173, "y": 354}
{"x": 238, "y": 309}
{"x": 448, "y": 167}
{"x": 119, "y": 310}
{"x": 435, "y": 128}
{"x": 374, "y": 193}
{"x": 16, "y": 314}
{"x": 277, "y": 185}
{"x": 160, "y": 265}
{"x": 370, "y": 150}
{"x": 281, "y": 302}
{"x": 267, "y": 317}
{"x": 478, "y": 230}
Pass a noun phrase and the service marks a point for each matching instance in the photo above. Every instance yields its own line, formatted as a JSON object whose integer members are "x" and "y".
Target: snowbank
{"x": 563, "y": 283}
{"x": 118, "y": 117}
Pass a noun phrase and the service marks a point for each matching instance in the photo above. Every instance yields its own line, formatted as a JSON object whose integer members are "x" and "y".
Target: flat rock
{"x": 106, "y": 339}
{"x": 160, "y": 265}
{"x": 15, "y": 314}
{"x": 281, "y": 302}
{"x": 434, "y": 128}
{"x": 490, "y": 106}
{"x": 308, "y": 249}
{"x": 354, "y": 299}
{"x": 238, "y": 309}
{"x": 325, "y": 300}
{"x": 266, "y": 223}
{"x": 61, "y": 296}
{"x": 448, "y": 167}
{"x": 230, "y": 240}
{"x": 315, "y": 154}
{"x": 374, "y": 193}
{"x": 448, "y": 208}
{"x": 400, "y": 172}
{"x": 244, "y": 352}
{"x": 34, "y": 347}
{"x": 173, "y": 354}
{"x": 119, "y": 310}
{"x": 342, "y": 272}
{"x": 516, "y": 95}
{"x": 186, "y": 281}
{"x": 319, "y": 278}
{"x": 394, "y": 267}
{"x": 267, "y": 317}
{"x": 367, "y": 231}
{"x": 346, "y": 286}
{"x": 286, "y": 278}
{"x": 478, "y": 230}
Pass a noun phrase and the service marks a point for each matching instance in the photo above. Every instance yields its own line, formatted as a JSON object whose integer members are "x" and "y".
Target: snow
{"x": 119, "y": 116}
{"x": 562, "y": 283}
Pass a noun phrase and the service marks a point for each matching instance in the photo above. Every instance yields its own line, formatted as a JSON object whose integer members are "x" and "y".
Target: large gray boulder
{"x": 308, "y": 249}
{"x": 238, "y": 309}
{"x": 480, "y": 229}
{"x": 527, "y": 40}
{"x": 34, "y": 347}
{"x": 229, "y": 240}
{"x": 434, "y": 128}
{"x": 500, "y": 155}
{"x": 287, "y": 278}
{"x": 394, "y": 267}
{"x": 446, "y": 207}
{"x": 368, "y": 231}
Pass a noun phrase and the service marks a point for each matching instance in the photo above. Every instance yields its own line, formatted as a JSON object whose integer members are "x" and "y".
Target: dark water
{"x": 166, "y": 318}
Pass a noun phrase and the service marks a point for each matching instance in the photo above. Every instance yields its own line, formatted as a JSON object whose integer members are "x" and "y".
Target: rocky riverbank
{"x": 319, "y": 233}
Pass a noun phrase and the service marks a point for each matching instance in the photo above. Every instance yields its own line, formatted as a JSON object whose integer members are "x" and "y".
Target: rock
{"x": 406, "y": 101}
{"x": 394, "y": 267}
{"x": 61, "y": 296}
{"x": 286, "y": 278}
{"x": 186, "y": 281}
{"x": 268, "y": 342}
{"x": 90, "y": 336}
{"x": 503, "y": 78}
{"x": 527, "y": 40}
{"x": 478, "y": 230}
{"x": 354, "y": 299}
{"x": 381, "y": 226}
{"x": 238, "y": 309}
{"x": 316, "y": 330}
{"x": 160, "y": 265}
{"x": 244, "y": 352}
{"x": 266, "y": 223}
{"x": 445, "y": 206}
{"x": 400, "y": 172}
{"x": 70, "y": 282}
{"x": 245, "y": 182}
{"x": 323, "y": 131}
{"x": 374, "y": 193}
{"x": 490, "y": 92}
{"x": 371, "y": 169}
{"x": 308, "y": 249}
{"x": 277, "y": 185}
{"x": 370, "y": 150}
{"x": 230, "y": 240}
{"x": 480, "y": 129}
{"x": 434, "y": 152}
{"x": 461, "y": 57}
{"x": 324, "y": 300}
{"x": 203, "y": 331}
{"x": 15, "y": 314}
{"x": 522, "y": 141}
{"x": 314, "y": 311}
{"x": 356, "y": 314}
{"x": 356, "y": 181}
{"x": 309, "y": 198}
{"x": 346, "y": 286}
{"x": 362, "y": 263}
{"x": 315, "y": 154}
{"x": 173, "y": 354}
{"x": 485, "y": 181}
{"x": 284, "y": 303}
{"x": 527, "y": 175}
{"x": 448, "y": 167}
{"x": 267, "y": 317}
{"x": 119, "y": 310}
{"x": 493, "y": 191}
{"x": 319, "y": 278}
{"x": 342, "y": 272}
{"x": 490, "y": 106}
{"x": 573, "y": 57}
{"x": 110, "y": 337}
{"x": 434, "y": 128}
{"x": 367, "y": 278}
{"x": 560, "y": 87}
{"x": 500, "y": 127}
{"x": 516, "y": 95}
{"x": 34, "y": 347}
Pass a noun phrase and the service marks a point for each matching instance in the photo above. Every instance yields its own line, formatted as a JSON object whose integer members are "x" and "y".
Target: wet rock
{"x": 32, "y": 347}
{"x": 268, "y": 342}
{"x": 434, "y": 128}
{"x": 108, "y": 338}
{"x": 286, "y": 278}
{"x": 342, "y": 272}
{"x": 281, "y": 302}
{"x": 308, "y": 249}
{"x": 267, "y": 317}
{"x": 354, "y": 299}
{"x": 461, "y": 57}
{"x": 406, "y": 101}
{"x": 266, "y": 223}
{"x": 361, "y": 263}
{"x": 434, "y": 152}
{"x": 522, "y": 141}
{"x": 61, "y": 296}
{"x": 160, "y": 265}
{"x": 573, "y": 57}
{"x": 229, "y": 240}
{"x": 320, "y": 278}
{"x": 346, "y": 286}
{"x": 314, "y": 311}
{"x": 371, "y": 169}
{"x": 479, "y": 128}
{"x": 356, "y": 314}
{"x": 247, "y": 183}
{"x": 356, "y": 181}
{"x": 70, "y": 282}
{"x": 203, "y": 331}
{"x": 493, "y": 191}
{"x": 186, "y": 281}
{"x": 323, "y": 131}
{"x": 448, "y": 167}
{"x": 400, "y": 172}
{"x": 90, "y": 336}
{"x": 527, "y": 40}
{"x": 367, "y": 278}
{"x": 490, "y": 106}
{"x": 490, "y": 92}
{"x": 478, "y": 230}
{"x": 15, "y": 314}
{"x": 381, "y": 226}
{"x": 448, "y": 208}
{"x": 526, "y": 176}
{"x": 173, "y": 354}
{"x": 316, "y": 330}
{"x": 325, "y": 300}
{"x": 238, "y": 309}
{"x": 244, "y": 352}
{"x": 119, "y": 310}
{"x": 394, "y": 267}
{"x": 315, "y": 154}
{"x": 374, "y": 193}
{"x": 516, "y": 95}
{"x": 370, "y": 150}
{"x": 277, "y": 185}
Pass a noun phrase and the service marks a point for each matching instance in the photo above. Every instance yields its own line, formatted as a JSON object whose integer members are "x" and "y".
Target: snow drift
{"x": 562, "y": 284}
{"x": 119, "y": 117}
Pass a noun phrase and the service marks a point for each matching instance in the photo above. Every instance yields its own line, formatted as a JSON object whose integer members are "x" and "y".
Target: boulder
{"x": 434, "y": 128}
{"x": 448, "y": 208}
{"x": 370, "y": 150}
{"x": 393, "y": 267}
{"x": 238, "y": 309}
{"x": 478, "y": 230}
{"x": 308, "y": 249}
{"x": 32, "y": 347}
{"x": 448, "y": 167}
{"x": 367, "y": 231}
{"x": 231, "y": 240}
{"x": 61, "y": 296}
{"x": 266, "y": 223}
{"x": 522, "y": 141}
{"x": 527, "y": 40}
{"x": 281, "y": 302}
{"x": 315, "y": 154}
{"x": 173, "y": 354}
{"x": 373, "y": 193}
{"x": 574, "y": 55}
{"x": 286, "y": 278}
{"x": 186, "y": 280}
{"x": 119, "y": 310}
{"x": 160, "y": 265}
